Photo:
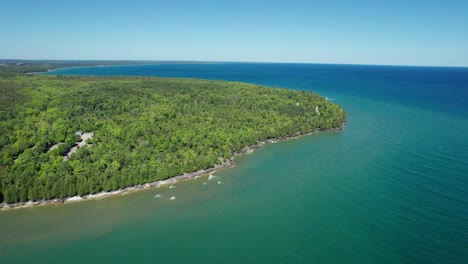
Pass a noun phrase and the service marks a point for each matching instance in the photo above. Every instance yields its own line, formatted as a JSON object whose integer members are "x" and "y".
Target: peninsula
{"x": 145, "y": 129}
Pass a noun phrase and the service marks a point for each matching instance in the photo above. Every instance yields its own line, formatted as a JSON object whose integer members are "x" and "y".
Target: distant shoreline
{"x": 186, "y": 176}
{"x": 116, "y": 65}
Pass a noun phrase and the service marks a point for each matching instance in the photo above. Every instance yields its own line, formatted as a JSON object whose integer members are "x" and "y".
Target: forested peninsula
{"x": 140, "y": 129}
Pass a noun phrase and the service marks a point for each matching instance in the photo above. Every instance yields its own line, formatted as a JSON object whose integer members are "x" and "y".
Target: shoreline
{"x": 229, "y": 163}
{"x": 51, "y": 70}
{"x": 186, "y": 176}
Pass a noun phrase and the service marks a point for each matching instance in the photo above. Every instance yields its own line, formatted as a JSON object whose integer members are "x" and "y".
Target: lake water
{"x": 390, "y": 188}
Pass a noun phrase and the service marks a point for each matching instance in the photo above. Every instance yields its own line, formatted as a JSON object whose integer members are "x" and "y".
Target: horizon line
{"x": 231, "y": 61}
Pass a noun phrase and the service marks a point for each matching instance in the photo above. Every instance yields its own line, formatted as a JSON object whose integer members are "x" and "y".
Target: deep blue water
{"x": 391, "y": 188}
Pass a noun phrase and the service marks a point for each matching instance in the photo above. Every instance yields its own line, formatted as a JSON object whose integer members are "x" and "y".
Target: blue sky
{"x": 410, "y": 32}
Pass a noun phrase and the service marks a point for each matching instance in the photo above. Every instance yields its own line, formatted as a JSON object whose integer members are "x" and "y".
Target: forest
{"x": 145, "y": 128}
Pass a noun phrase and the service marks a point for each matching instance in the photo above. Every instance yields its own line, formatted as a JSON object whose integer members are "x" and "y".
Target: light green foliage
{"x": 145, "y": 129}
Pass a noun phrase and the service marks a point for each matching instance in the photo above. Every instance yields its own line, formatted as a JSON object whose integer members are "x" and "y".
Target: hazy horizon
{"x": 144, "y": 61}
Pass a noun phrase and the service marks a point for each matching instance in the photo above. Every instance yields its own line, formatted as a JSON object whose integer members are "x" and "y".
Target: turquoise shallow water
{"x": 390, "y": 188}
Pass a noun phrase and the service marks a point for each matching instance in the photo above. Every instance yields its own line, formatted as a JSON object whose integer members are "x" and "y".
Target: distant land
{"x": 15, "y": 66}
{"x": 76, "y": 63}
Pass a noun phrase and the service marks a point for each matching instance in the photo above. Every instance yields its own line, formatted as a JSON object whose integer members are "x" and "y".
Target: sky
{"x": 392, "y": 32}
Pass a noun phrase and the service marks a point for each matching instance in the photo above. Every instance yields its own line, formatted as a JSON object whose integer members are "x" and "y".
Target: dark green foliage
{"x": 146, "y": 129}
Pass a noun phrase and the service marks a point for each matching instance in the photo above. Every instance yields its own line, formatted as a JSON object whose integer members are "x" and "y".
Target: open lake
{"x": 391, "y": 188}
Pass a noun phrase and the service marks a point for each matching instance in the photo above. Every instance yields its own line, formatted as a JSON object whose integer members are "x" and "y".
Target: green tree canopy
{"x": 145, "y": 129}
